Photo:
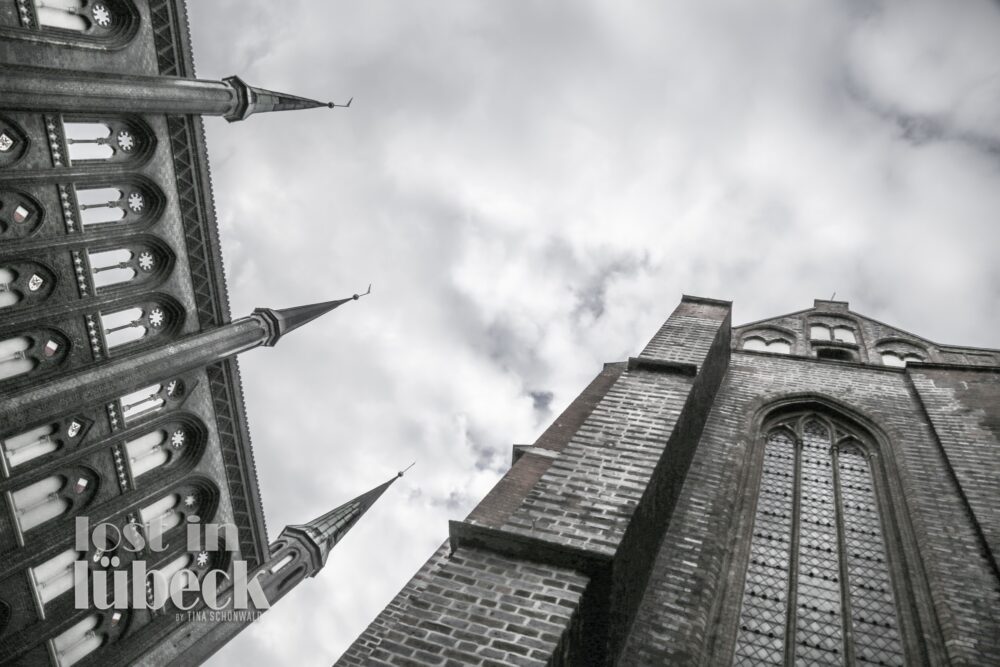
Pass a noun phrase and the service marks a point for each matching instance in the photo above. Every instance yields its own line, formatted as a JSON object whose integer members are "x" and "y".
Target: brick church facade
{"x": 120, "y": 394}
{"x": 816, "y": 488}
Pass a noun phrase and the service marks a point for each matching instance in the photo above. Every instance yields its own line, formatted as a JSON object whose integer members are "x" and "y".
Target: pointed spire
{"x": 280, "y": 322}
{"x": 325, "y": 531}
{"x": 251, "y": 100}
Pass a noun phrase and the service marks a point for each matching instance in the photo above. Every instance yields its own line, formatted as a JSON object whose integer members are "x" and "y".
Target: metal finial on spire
{"x": 279, "y": 322}
{"x": 358, "y": 296}
{"x": 404, "y": 470}
{"x": 251, "y": 100}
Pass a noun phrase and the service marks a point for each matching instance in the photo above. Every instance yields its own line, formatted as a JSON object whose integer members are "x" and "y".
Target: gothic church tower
{"x": 816, "y": 488}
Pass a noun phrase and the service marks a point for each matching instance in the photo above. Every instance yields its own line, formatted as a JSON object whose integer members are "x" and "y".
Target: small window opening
{"x": 834, "y": 353}
{"x": 29, "y": 445}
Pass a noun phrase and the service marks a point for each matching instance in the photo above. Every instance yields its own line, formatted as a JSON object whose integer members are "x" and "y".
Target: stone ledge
{"x": 523, "y": 547}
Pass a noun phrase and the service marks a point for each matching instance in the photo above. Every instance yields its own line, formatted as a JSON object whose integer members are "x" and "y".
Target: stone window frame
{"x": 920, "y": 632}
{"x": 853, "y": 351}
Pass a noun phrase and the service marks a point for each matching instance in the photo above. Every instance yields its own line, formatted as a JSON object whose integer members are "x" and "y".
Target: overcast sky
{"x": 530, "y": 187}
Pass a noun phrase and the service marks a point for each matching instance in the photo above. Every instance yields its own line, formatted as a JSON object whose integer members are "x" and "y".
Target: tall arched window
{"x": 14, "y": 357}
{"x": 30, "y": 444}
{"x": 120, "y": 265}
{"x": 160, "y": 516}
{"x": 77, "y": 642}
{"x": 124, "y": 201}
{"x": 55, "y": 576}
{"x": 91, "y": 140}
{"x": 37, "y": 503}
{"x": 817, "y": 587}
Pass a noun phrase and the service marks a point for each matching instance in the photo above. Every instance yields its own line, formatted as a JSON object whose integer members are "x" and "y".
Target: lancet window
{"x": 15, "y": 358}
{"x": 105, "y": 140}
{"x": 150, "y": 400}
{"x": 818, "y": 588}
{"x": 132, "y": 324}
{"x": 839, "y": 333}
{"x": 37, "y": 503}
{"x": 55, "y": 576}
{"x": 79, "y": 641}
{"x": 31, "y": 444}
{"x": 767, "y": 341}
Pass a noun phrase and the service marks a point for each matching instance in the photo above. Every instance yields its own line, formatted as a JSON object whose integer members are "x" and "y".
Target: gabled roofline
{"x": 765, "y": 321}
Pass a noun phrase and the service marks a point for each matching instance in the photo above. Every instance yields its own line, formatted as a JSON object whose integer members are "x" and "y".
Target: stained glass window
{"x": 817, "y": 587}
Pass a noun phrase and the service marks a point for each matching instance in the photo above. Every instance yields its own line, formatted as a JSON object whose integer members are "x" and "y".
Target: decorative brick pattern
{"x": 164, "y": 32}
{"x": 206, "y": 292}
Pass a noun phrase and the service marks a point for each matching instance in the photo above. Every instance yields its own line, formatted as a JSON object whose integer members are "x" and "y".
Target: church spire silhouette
{"x": 26, "y": 87}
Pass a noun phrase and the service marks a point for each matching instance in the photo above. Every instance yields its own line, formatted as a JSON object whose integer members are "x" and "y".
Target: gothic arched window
{"x": 37, "y": 503}
{"x": 30, "y": 444}
{"x": 767, "y": 341}
{"x": 817, "y": 587}
{"x": 106, "y": 140}
{"x": 38, "y": 351}
{"x": 55, "y": 576}
{"x": 119, "y": 265}
{"x": 79, "y": 23}
{"x": 78, "y": 641}
{"x": 141, "y": 321}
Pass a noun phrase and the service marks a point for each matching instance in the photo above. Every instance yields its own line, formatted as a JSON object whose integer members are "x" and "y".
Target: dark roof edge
{"x": 704, "y": 299}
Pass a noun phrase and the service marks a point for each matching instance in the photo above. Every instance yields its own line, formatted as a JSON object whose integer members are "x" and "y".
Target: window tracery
{"x": 35, "y": 442}
{"x": 767, "y": 342}
{"x": 24, "y": 354}
{"x": 137, "y": 323}
{"x": 840, "y": 333}
{"x": 122, "y": 265}
{"x": 53, "y": 496}
{"x": 30, "y": 444}
{"x": 55, "y": 576}
{"x": 79, "y": 641}
{"x": 80, "y": 23}
{"x": 817, "y": 587}
{"x": 152, "y": 399}
{"x": 129, "y": 201}
{"x": 37, "y": 503}
{"x": 106, "y": 140}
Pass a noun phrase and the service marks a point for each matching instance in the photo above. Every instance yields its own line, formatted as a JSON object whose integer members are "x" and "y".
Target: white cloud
{"x": 530, "y": 188}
